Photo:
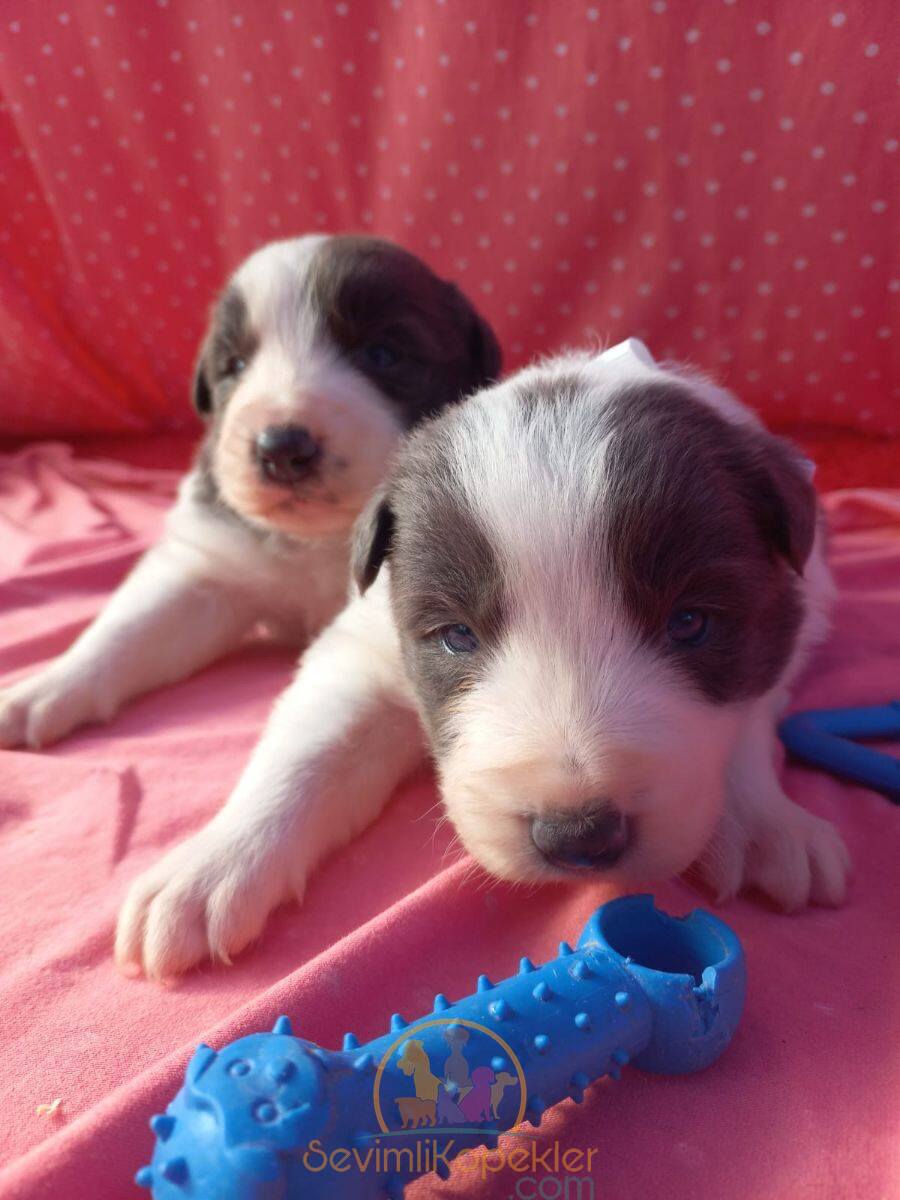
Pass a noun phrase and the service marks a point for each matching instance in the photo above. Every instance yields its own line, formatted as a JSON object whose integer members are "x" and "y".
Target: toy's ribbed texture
{"x": 239, "y": 1127}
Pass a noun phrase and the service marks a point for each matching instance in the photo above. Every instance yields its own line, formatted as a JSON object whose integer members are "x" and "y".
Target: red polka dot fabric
{"x": 716, "y": 177}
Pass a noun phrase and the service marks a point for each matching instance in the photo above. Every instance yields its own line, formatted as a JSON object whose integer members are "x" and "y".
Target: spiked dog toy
{"x": 275, "y": 1117}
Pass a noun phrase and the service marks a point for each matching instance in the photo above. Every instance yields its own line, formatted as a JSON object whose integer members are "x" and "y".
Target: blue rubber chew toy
{"x": 828, "y": 738}
{"x": 275, "y": 1117}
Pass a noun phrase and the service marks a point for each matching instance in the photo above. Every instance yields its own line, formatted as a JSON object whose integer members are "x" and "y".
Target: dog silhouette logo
{"x": 449, "y": 1074}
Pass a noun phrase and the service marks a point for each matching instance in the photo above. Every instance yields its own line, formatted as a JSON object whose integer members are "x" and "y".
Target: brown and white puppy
{"x": 592, "y": 586}
{"x": 604, "y": 576}
{"x": 320, "y": 352}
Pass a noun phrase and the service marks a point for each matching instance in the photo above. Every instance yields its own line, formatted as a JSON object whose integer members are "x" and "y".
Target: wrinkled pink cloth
{"x": 805, "y": 1103}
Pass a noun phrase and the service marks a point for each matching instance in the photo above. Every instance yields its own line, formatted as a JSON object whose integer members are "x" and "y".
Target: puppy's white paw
{"x": 207, "y": 898}
{"x": 795, "y": 858}
{"x": 43, "y": 708}
{"x": 798, "y": 862}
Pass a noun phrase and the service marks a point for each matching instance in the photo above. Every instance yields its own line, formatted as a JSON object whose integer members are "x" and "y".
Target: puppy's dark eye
{"x": 458, "y": 639}
{"x": 380, "y": 356}
{"x": 688, "y": 626}
{"x": 235, "y": 366}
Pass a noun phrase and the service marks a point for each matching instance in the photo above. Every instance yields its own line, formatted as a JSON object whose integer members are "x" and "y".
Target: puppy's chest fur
{"x": 297, "y": 585}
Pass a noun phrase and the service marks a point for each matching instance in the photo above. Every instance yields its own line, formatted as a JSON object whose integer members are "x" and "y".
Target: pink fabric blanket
{"x": 805, "y": 1102}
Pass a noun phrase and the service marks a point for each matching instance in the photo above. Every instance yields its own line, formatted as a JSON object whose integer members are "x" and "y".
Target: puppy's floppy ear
{"x": 787, "y": 502}
{"x": 485, "y": 349}
{"x": 201, "y": 390}
{"x": 485, "y": 356}
{"x": 373, "y": 536}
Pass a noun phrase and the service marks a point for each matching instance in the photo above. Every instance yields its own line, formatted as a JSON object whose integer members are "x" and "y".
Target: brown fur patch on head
{"x": 443, "y": 569}
{"x": 372, "y": 293}
{"x": 702, "y": 513}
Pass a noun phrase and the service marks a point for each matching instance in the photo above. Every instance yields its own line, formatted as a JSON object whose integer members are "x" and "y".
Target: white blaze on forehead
{"x": 276, "y": 306}
{"x": 293, "y": 254}
{"x": 529, "y": 464}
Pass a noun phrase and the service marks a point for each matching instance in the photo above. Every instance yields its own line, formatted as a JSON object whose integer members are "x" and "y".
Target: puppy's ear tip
{"x": 487, "y": 350}
{"x": 201, "y": 393}
{"x": 793, "y": 511}
{"x": 484, "y": 351}
{"x": 807, "y": 468}
{"x": 373, "y": 537}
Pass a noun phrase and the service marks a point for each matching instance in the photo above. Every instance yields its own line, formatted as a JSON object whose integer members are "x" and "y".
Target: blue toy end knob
{"x": 691, "y": 970}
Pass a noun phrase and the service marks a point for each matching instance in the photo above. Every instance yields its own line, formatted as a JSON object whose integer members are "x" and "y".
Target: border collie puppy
{"x": 320, "y": 352}
{"x": 592, "y": 587}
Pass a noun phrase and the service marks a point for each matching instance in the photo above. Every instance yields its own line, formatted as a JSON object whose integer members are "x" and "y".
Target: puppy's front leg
{"x": 765, "y": 840}
{"x": 168, "y": 619}
{"x": 339, "y": 740}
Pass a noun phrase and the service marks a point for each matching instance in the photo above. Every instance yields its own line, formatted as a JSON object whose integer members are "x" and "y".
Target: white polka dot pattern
{"x": 716, "y": 177}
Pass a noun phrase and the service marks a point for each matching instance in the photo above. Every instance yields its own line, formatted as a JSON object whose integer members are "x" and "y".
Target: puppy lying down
{"x": 587, "y": 591}
{"x": 320, "y": 352}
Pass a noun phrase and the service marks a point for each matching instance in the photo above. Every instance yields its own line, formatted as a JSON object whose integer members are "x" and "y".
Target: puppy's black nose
{"x": 286, "y": 453}
{"x": 584, "y": 841}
